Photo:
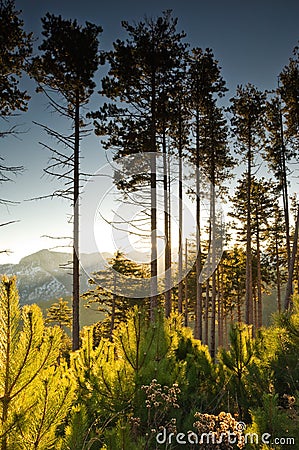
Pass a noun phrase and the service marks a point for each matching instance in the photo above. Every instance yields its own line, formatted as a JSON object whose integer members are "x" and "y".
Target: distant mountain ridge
{"x": 46, "y": 275}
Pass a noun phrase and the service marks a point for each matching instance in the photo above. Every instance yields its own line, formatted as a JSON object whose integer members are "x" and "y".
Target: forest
{"x": 197, "y": 345}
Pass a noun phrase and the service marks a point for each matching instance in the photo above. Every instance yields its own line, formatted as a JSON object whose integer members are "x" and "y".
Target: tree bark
{"x": 186, "y": 286}
{"x": 167, "y": 254}
{"x": 289, "y": 289}
{"x": 76, "y": 270}
{"x": 213, "y": 242}
{"x": 248, "y": 295}
{"x": 259, "y": 276}
{"x": 278, "y": 283}
{"x": 206, "y": 313}
{"x": 153, "y": 186}
{"x": 199, "y": 300}
{"x": 180, "y": 251}
{"x": 220, "y": 307}
{"x": 285, "y": 194}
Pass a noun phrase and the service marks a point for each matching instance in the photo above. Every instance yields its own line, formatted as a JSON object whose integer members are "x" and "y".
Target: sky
{"x": 251, "y": 40}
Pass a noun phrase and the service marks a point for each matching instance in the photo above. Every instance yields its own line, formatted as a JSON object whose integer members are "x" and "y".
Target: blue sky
{"x": 252, "y": 41}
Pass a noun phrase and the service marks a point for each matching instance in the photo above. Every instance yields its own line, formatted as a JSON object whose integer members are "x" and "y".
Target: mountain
{"x": 46, "y": 275}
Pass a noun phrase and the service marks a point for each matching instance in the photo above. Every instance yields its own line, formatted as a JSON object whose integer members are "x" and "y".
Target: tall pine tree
{"x": 69, "y": 58}
{"x": 142, "y": 73}
{"x": 205, "y": 83}
{"x": 247, "y": 121}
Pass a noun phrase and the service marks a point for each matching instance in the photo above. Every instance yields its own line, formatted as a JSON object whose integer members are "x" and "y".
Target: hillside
{"x": 46, "y": 275}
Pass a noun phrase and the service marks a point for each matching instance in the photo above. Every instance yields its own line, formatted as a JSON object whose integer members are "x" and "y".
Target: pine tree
{"x": 285, "y": 363}
{"x": 247, "y": 121}
{"x": 110, "y": 377}
{"x": 60, "y": 314}
{"x": 179, "y": 132}
{"x": 53, "y": 395}
{"x": 108, "y": 284}
{"x": 68, "y": 61}
{"x": 205, "y": 83}
{"x": 276, "y": 249}
{"x": 237, "y": 360}
{"x": 28, "y": 354}
{"x": 216, "y": 163}
{"x": 277, "y": 154}
{"x": 141, "y": 76}
{"x": 288, "y": 90}
{"x": 233, "y": 275}
{"x": 15, "y": 49}
{"x": 289, "y": 288}
{"x": 263, "y": 195}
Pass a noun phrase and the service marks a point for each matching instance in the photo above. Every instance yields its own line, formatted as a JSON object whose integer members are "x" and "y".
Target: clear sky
{"x": 252, "y": 41}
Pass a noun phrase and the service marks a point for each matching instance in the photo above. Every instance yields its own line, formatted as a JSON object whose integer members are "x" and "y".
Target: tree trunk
{"x": 248, "y": 295}
{"x": 278, "y": 283}
{"x": 213, "y": 242}
{"x": 254, "y": 302}
{"x": 220, "y": 307}
{"x": 285, "y": 196}
{"x": 167, "y": 256}
{"x": 153, "y": 185}
{"x": 286, "y": 214}
{"x": 199, "y": 300}
{"x": 259, "y": 277}
{"x": 76, "y": 270}
{"x": 207, "y": 299}
{"x": 206, "y": 315}
{"x": 289, "y": 289}
{"x": 186, "y": 286}
{"x": 180, "y": 251}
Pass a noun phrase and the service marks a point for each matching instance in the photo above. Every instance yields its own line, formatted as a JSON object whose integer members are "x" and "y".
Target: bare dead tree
{"x": 64, "y": 72}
